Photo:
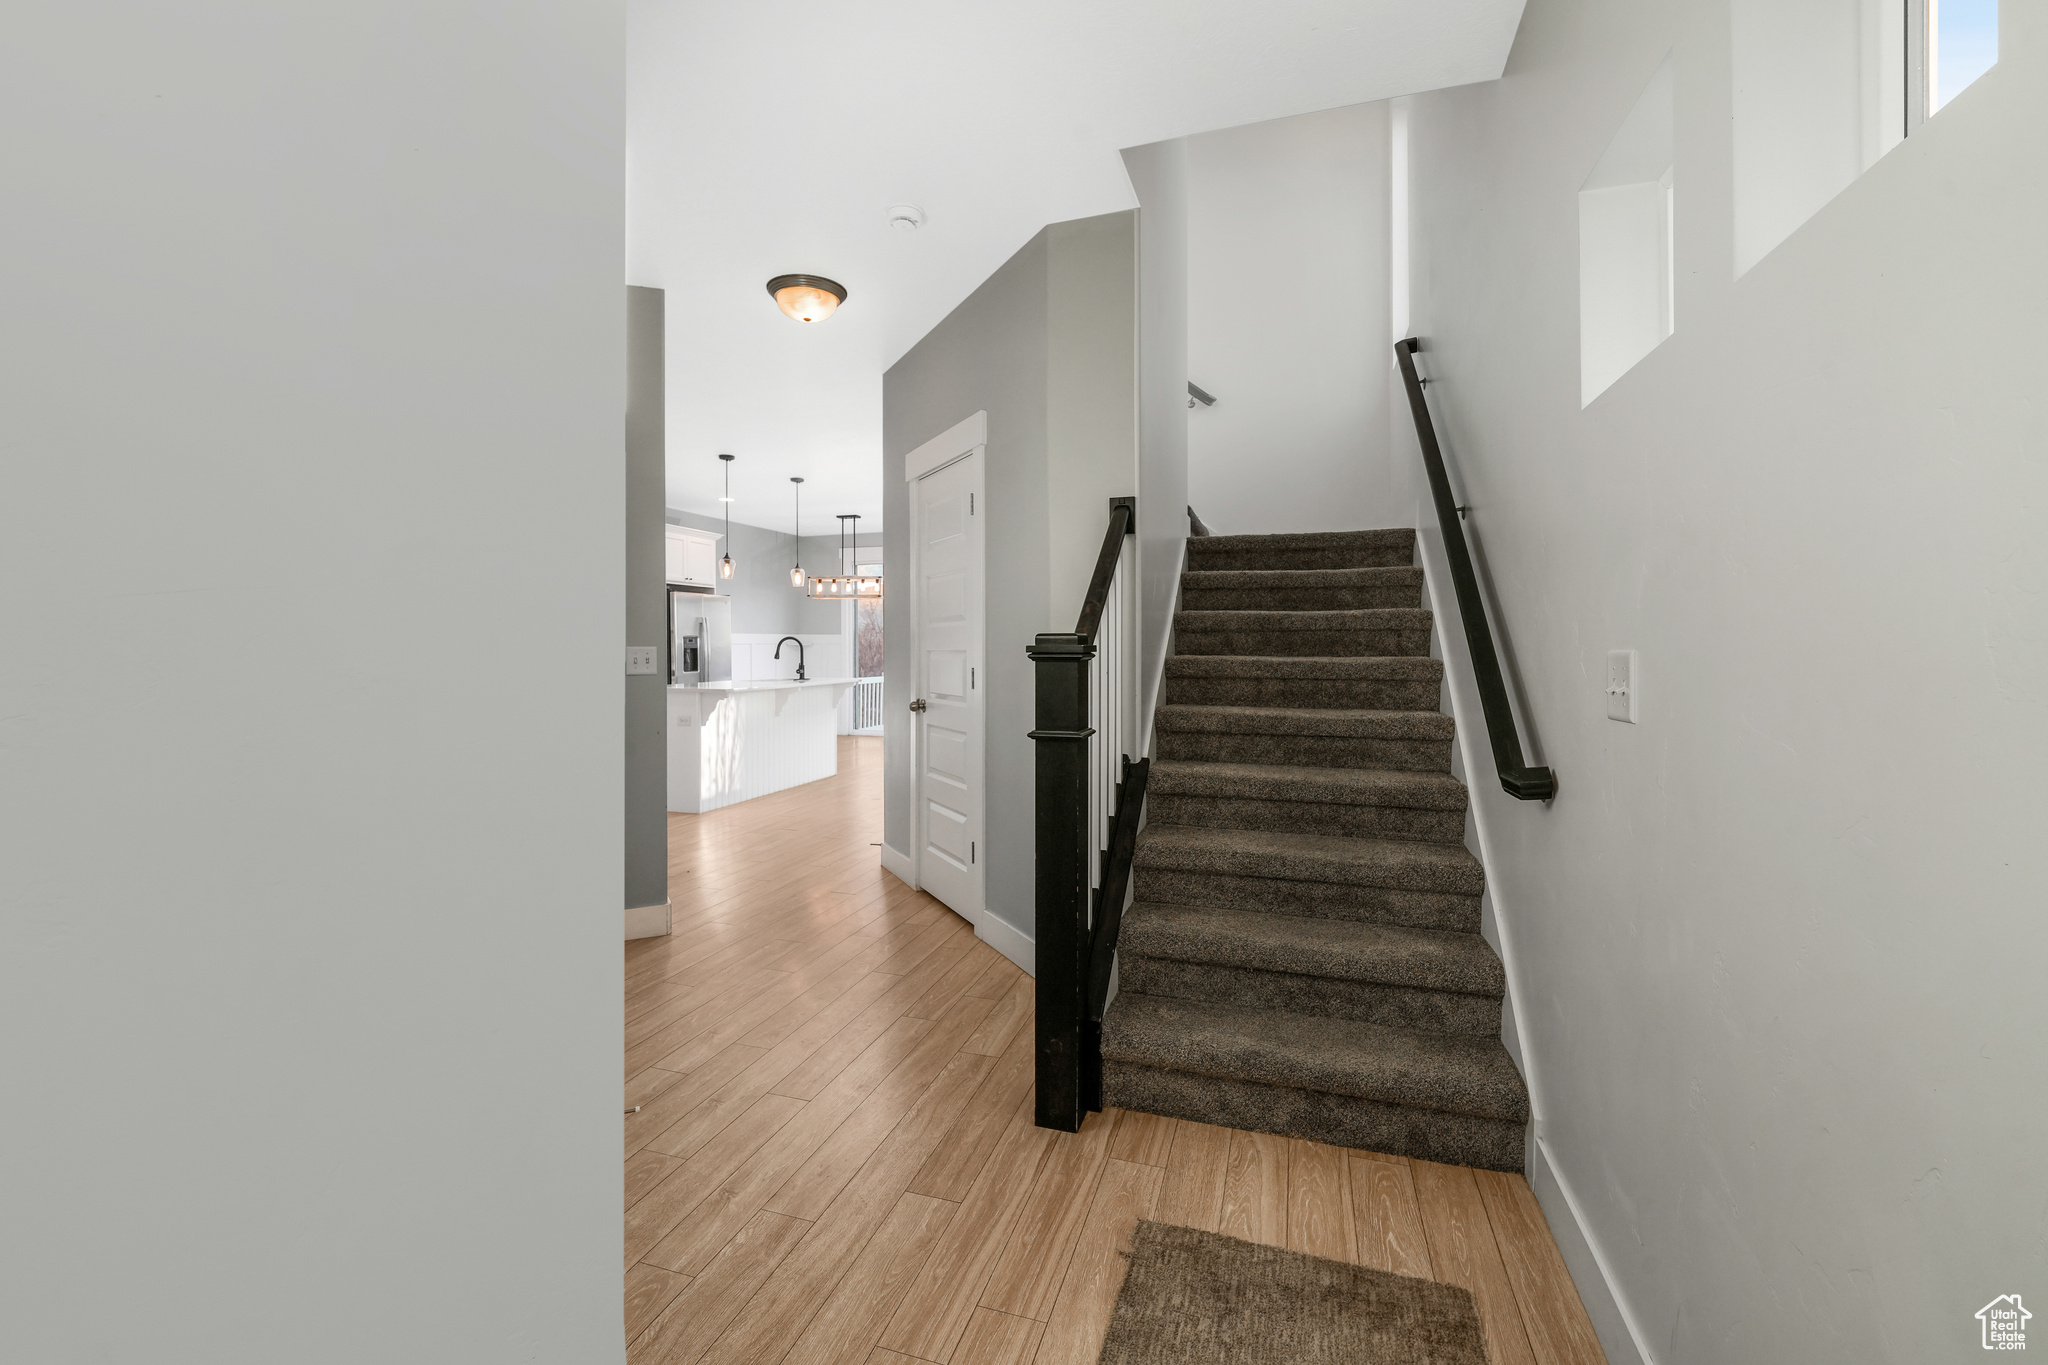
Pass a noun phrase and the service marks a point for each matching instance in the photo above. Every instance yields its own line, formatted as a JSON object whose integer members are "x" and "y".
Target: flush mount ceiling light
{"x": 906, "y": 217}
{"x": 807, "y": 298}
{"x": 849, "y": 584}
{"x": 725, "y": 564}
{"x": 796, "y": 569}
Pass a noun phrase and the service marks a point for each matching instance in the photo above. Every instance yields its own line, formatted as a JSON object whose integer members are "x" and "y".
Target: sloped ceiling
{"x": 771, "y": 138}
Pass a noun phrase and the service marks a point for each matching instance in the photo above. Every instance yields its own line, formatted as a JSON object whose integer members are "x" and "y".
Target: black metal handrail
{"x": 1074, "y": 947}
{"x": 1517, "y": 778}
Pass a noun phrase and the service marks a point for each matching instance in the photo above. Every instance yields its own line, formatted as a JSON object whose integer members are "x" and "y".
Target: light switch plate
{"x": 642, "y": 658}
{"x": 1621, "y": 685}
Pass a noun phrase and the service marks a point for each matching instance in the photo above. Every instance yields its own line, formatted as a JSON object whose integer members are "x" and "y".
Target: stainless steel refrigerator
{"x": 699, "y": 637}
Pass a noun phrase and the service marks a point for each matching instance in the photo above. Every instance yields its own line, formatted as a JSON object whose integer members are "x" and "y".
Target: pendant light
{"x": 849, "y": 583}
{"x": 725, "y": 564}
{"x": 796, "y": 570}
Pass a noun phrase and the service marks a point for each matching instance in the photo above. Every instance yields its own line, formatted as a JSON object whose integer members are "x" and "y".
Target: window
{"x": 867, "y": 612}
{"x": 1962, "y": 44}
{"x": 1823, "y": 88}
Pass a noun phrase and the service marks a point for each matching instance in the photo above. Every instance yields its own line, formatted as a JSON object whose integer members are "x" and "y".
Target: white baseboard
{"x": 1612, "y": 1322}
{"x": 897, "y": 865}
{"x": 647, "y": 921}
{"x": 1008, "y": 940}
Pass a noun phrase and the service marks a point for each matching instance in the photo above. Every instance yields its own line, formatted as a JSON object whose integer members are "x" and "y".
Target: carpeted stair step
{"x": 1438, "y": 1096}
{"x": 1394, "y": 683}
{"x": 1368, "y": 803}
{"x": 1310, "y": 550}
{"x": 1301, "y": 589}
{"x": 1326, "y": 634}
{"x": 1381, "y": 974}
{"x": 1411, "y": 741}
{"x": 1380, "y": 881}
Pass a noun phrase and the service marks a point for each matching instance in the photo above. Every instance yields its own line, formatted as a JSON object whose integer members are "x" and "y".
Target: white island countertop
{"x": 731, "y": 741}
{"x": 763, "y": 685}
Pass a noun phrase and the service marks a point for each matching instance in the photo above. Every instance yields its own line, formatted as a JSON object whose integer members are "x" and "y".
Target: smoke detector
{"x": 906, "y": 217}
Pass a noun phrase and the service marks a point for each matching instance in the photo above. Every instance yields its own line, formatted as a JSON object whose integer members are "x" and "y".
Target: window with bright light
{"x": 1962, "y": 44}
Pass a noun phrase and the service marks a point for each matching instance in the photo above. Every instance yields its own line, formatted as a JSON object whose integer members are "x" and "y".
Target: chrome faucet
{"x": 788, "y": 639}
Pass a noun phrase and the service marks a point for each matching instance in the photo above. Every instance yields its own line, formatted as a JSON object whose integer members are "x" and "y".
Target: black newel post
{"x": 1061, "y": 738}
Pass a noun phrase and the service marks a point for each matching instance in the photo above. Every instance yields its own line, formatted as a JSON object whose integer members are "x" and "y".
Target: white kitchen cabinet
{"x": 692, "y": 556}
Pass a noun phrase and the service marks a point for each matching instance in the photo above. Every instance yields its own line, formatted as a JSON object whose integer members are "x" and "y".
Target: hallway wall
{"x": 1288, "y": 322}
{"x": 646, "y": 756}
{"x": 1046, "y": 347}
{"x": 1775, "y": 943}
{"x": 311, "y": 566}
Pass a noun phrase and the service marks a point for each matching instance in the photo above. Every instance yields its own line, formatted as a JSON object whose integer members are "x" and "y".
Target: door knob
{"x": 917, "y": 705}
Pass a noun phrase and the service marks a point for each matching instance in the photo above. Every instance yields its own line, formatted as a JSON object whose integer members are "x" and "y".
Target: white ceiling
{"x": 771, "y": 138}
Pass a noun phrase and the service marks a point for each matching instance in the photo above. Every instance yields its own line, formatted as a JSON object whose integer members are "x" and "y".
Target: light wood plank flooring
{"x": 834, "y": 1160}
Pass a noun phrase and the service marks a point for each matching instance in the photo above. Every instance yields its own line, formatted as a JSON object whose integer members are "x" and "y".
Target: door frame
{"x": 963, "y": 440}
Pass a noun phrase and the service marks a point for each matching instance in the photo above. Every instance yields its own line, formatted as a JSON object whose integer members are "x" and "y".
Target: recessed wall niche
{"x": 1626, "y": 303}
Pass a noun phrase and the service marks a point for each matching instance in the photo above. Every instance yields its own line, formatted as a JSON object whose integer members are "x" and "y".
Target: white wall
{"x": 823, "y": 656}
{"x": 1819, "y": 95}
{"x": 1771, "y": 946}
{"x": 1625, "y": 280}
{"x": 1288, "y": 321}
{"x": 1159, "y": 176}
{"x": 309, "y": 918}
{"x": 1626, "y": 230}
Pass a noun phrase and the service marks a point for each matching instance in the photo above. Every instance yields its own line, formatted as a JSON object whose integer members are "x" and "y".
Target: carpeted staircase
{"x": 1304, "y": 955}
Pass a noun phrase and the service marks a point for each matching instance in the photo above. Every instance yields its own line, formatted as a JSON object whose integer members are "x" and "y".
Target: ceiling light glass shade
{"x": 796, "y": 576}
{"x": 807, "y": 298}
{"x": 725, "y": 567}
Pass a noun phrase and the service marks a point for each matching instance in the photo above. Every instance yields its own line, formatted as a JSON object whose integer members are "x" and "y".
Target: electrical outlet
{"x": 1621, "y": 685}
{"x": 642, "y": 658}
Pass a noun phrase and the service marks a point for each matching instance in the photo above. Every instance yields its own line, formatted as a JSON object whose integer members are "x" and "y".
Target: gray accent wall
{"x": 1046, "y": 347}
{"x": 1777, "y": 947}
{"x": 763, "y": 602}
{"x": 312, "y": 566}
{"x": 646, "y": 601}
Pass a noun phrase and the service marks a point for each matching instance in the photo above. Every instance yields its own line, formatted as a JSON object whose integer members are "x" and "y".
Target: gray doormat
{"x": 1198, "y": 1298}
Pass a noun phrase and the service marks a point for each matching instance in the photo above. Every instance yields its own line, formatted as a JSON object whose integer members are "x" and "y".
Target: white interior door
{"x": 947, "y": 610}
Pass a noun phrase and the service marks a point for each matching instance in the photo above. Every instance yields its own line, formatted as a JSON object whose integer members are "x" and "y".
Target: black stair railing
{"x": 1517, "y": 778}
{"x": 1076, "y": 932}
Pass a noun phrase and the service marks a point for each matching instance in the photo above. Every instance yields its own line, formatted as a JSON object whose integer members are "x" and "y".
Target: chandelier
{"x": 848, "y": 584}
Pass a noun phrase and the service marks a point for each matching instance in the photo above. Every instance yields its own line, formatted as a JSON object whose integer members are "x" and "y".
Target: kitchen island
{"x": 733, "y": 741}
